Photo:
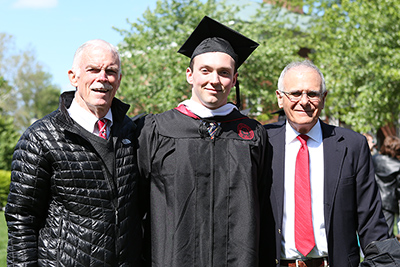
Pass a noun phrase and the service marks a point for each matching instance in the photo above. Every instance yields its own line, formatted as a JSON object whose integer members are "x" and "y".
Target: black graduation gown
{"x": 204, "y": 202}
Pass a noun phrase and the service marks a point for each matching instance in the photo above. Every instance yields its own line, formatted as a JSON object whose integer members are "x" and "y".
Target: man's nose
{"x": 102, "y": 76}
{"x": 214, "y": 77}
{"x": 304, "y": 99}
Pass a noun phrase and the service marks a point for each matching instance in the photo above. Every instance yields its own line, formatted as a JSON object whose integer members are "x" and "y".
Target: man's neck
{"x": 98, "y": 111}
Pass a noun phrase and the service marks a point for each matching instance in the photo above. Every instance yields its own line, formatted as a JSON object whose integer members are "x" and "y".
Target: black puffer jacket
{"x": 69, "y": 204}
{"x": 387, "y": 175}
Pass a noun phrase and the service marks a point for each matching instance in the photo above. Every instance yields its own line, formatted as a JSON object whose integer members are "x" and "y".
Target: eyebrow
{"x": 94, "y": 66}
{"x": 209, "y": 66}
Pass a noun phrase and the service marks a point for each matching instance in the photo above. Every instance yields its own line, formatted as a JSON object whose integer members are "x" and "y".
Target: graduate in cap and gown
{"x": 204, "y": 161}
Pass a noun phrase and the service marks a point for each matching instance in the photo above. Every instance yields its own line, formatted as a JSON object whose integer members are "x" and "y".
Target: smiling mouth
{"x": 101, "y": 87}
{"x": 222, "y": 90}
{"x": 102, "y": 90}
{"x": 305, "y": 112}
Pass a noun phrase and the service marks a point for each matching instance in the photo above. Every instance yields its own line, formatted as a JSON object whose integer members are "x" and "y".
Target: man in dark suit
{"x": 320, "y": 221}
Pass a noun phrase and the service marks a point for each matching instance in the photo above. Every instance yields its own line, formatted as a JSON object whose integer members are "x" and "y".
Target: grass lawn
{"x": 3, "y": 240}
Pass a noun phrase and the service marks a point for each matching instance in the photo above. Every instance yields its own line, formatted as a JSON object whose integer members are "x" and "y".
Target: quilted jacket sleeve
{"x": 28, "y": 199}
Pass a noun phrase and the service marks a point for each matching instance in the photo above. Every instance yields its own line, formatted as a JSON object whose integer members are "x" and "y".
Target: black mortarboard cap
{"x": 212, "y": 36}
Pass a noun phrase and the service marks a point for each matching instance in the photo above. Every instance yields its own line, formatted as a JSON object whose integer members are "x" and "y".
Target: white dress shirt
{"x": 87, "y": 119}
{"x": 315, "y": 148}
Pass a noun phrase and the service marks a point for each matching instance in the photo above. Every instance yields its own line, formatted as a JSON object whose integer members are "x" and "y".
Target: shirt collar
{"x": 204, "y": 112}
{"x": 85, "y": 118}
{"x": 315, "y": 133}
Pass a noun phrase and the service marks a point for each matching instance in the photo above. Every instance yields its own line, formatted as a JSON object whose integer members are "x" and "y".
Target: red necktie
{"x": 303, "y": 227}
{"x": 102, "y": 124}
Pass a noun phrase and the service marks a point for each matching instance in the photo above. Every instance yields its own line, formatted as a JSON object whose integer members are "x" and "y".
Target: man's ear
{"x": 279, "y": 96}
{"x": 189, "y": 75}
{"x": 73, "y": 78}
{"x": 324, "y": 98}
{"x": 235, "y": 77}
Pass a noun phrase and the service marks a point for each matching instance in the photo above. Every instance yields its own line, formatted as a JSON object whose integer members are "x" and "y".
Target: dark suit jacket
{"x": 352, "y": 203}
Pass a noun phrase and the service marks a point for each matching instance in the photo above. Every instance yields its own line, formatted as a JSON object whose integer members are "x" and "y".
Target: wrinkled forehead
{"x": 99, "y": 56}
{"x": 302, "y": 74}
{"x": 302, "y": 70}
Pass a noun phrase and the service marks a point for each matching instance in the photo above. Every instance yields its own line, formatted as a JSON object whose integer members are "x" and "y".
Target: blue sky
{"x": 56, "y": 28}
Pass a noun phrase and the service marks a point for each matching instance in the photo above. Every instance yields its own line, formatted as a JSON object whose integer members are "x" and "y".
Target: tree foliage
{"x": 280, "y": 34}
{"x": 5, "y": 179}
{"x": 26, "y": 92}
{"x": 357, "y": 46}
{"x": 8, "y": 133}
{"x": 355, "y": 43}
{"x": 6, "y": 99}
{"x": 8, "y": 139}
{"x": 154, "y": 74}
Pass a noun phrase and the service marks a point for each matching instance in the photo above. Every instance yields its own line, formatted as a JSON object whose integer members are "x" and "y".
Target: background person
{"x": 387, "y": 175}
{"x": 323, "y": 192}
{"x": 371, "y": 143}
{"x": 74, "y": 195}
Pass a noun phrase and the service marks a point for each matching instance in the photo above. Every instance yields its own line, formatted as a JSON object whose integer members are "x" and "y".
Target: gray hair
{"x": 94, "y": 43}
{"x": 301, "y": 64}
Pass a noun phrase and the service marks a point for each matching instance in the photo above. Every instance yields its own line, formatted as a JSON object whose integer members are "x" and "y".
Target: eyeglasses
{"x": 297, "y": 95}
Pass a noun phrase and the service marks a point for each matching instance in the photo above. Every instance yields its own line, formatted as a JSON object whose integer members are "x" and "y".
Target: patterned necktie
{"x": 304, "y": 233}
{"x": 212, "y": 129}
{"x": 102, "y": 124}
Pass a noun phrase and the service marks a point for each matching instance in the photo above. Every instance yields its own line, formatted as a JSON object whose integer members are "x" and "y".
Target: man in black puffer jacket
{"x": 74, "y": 194}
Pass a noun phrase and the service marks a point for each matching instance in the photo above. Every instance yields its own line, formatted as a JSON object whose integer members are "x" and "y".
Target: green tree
{"x": 6, "y": 99}
{"x": 280, "y": 32}
{"x": 357, "y": 47}
{"x": 45, "y": 100}
{"x": 29, "y": 93}
{"x": 8, "y": 139}
{"x": 354, "y": 42}
{"x": 5, "y": 179}
{"x": 154, "y": 74}
{"x": 36, "y": 95}
{"x": 8, "y": 133}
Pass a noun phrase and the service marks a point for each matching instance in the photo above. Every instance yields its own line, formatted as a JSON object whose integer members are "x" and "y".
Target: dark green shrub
{"x": 8, "y": 139}
{"x": 5, "y": 179}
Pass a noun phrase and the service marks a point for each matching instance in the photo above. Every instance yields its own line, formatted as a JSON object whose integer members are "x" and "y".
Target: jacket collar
{"x": 118, "y": 108}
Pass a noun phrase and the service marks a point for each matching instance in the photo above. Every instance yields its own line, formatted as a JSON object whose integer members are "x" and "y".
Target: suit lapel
{"x": 334, "y": 151}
